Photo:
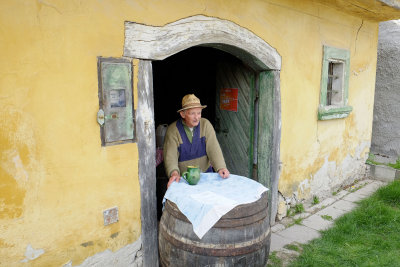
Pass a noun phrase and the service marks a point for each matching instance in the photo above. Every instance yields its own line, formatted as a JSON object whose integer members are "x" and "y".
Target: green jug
{"x": 192, "y": 175}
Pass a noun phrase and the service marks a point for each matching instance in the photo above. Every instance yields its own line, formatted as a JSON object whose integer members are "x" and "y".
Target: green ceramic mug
{"x": 192, "y": 175}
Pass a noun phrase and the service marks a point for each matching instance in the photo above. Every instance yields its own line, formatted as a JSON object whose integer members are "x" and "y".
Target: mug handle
{"x": 184, "y": 176}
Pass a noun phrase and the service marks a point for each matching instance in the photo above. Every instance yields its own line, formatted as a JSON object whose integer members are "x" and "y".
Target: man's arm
{"x": 171, "y": 154}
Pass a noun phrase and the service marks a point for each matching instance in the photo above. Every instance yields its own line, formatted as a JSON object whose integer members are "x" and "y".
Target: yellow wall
{"x": 306, "y": 142}
{"x": 56, "y": 179}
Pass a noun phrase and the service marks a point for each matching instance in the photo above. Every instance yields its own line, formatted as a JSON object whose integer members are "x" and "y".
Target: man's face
{"x": 191, "y": 116}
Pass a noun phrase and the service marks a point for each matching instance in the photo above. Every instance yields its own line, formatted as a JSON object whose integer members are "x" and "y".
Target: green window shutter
{"x": 116, "y": 100}
{"x": 334, "y": 84}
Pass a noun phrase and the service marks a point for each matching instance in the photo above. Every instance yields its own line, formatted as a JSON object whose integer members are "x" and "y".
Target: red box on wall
{"x": 228, "y": 99}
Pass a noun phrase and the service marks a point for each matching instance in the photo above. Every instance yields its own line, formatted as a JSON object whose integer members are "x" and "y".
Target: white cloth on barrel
{"x": 205, "y": 203}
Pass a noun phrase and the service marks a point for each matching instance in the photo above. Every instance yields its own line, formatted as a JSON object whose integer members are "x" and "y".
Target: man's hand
{"x": 224, "y": 173}
{"x": 174, "y": 177}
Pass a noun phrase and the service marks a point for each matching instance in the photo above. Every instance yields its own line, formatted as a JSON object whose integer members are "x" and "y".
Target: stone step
{"x": 383, "y": 173}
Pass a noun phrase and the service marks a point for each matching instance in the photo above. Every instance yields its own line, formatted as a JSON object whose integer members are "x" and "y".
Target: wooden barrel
{"x": 241, "y": 237}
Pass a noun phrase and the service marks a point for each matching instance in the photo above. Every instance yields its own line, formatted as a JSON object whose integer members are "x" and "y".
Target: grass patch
{"x": 334, "y": 193}
{"x": 292, "y": 247}
{"x": 371, "y": 160}
{"x": 296, "y": 221}
{"x": 299, "y": 208}
{"x": 274, "y": 260}
{"x": 395, "y": 165}
{"x": 315, "y": 200}
{"x": 367, "y": 236}
{"x": 327, "y": 217}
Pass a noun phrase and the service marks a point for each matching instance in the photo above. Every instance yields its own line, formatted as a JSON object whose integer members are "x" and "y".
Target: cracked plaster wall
{"x": 320, "y": 156}
{"x": 328, "y": 179}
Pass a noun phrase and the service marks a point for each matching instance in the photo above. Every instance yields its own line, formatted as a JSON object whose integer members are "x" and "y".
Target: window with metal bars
{"x": 334, "y": 90}
{"x": 334, "y": 84}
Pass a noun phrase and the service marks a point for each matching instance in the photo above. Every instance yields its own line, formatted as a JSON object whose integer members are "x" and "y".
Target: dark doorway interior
{"x": 190, "y": 71}
{"x": 196, "y": 70}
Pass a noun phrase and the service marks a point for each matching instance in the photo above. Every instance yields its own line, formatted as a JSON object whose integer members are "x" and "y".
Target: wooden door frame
{"x": 148, "y": 43}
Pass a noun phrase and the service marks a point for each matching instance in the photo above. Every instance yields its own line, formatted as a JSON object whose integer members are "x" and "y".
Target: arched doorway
{"x": 148, "y": 44}
{"x": 208, "y": 73}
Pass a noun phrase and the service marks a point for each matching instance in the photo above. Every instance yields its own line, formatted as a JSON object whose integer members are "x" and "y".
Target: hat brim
{"x": 194, "y": 106}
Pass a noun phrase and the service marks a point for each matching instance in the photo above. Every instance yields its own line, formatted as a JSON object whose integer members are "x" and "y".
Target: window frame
{"x": 328, "y": 112}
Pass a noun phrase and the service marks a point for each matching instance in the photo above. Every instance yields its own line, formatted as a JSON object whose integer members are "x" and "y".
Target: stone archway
{"x": 148, "y": 43}
{"x": 157, "y": 43}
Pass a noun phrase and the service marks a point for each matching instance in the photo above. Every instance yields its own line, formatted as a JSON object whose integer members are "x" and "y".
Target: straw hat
{"x": 190, "y": 101}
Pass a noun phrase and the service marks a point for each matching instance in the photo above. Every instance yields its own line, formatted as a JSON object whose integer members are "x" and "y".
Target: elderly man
{"x": 191, "y": 141}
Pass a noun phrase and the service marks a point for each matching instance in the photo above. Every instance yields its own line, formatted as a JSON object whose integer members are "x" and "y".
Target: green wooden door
{"x": 235, "y": 128}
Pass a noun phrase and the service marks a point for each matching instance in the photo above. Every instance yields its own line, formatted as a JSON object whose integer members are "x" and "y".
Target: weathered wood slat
{"x": 276, "y": 141}
{"x": 157, "y": 43}
{"x": 236, "y": 143}
{"x": 239, "y": 118}
{"x": 269, "y": 133}
{"x": 147, "y": 155}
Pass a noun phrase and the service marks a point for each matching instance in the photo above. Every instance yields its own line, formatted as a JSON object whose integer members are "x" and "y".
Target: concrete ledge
{"x": 384, "y": 173}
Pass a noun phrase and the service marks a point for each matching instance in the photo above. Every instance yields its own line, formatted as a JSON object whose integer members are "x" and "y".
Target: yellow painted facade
{"x": 56, "y": 178}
